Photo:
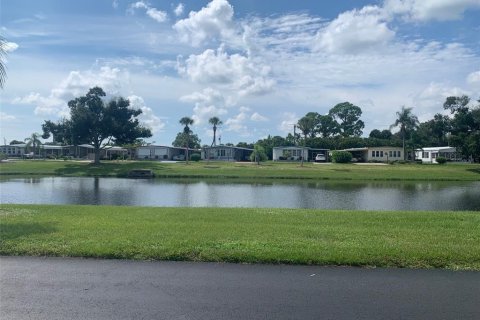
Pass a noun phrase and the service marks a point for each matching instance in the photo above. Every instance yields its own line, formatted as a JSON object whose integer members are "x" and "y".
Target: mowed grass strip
{"x": 275, "y": 170}
{"x": 293, "y": 236}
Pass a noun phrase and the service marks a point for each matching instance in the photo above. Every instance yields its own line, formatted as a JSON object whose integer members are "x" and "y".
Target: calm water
{"x": 221, "y": 193}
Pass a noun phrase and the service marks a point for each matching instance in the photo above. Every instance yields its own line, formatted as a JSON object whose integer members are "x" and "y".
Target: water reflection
{"x": 374, "y": 195}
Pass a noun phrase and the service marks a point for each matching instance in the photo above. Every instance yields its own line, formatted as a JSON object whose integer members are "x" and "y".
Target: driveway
{"x": 59, "y": 288}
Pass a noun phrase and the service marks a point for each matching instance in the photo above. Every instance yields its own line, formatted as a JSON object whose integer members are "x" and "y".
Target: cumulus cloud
{"x": 356, "y": 31}
{"x": 10, "y": 46}
{"x": 112, "y": 80}
{"x": 258, "y": 117}
{"x": 215, "y": 21}
{"x": 288, "y": 120}
{"x": 238, "y": 72}
{"x": 208, "y": 103}
{"x": 474, "y": 78}
{"x": 115, "y": 4}
{"x": 237, "y": 123}
{"x": 6, "y": 117}
{"x": 157, "y": 15}
{"x": 425, "y": 10}
{"x": 179, "y": 9}
{"x": 147, "y": 117}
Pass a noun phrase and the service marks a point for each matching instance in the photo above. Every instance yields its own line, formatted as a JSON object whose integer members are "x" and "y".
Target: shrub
{"x": 341, "y": 156}
{"x": 195, "y": 157}
{"x": 441, "y": 160}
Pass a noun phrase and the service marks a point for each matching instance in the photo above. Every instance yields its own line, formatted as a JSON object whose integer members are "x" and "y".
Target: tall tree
{"x": 407, "y": 122}
{"x": 186, "y": 122}
{"x": 215, "y": 122}
{"x": 327, "y": 126}
{"x": 465, "y": 127}
{"x": 349, "y": 119}
{"x": 3, "y": 52}
{"x": 306, "y": 125}
{"x": 98, "y": 123}
{"x": 33, "y": 142}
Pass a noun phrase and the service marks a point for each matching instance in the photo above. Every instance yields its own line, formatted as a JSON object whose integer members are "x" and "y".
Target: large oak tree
{"x": 99, "y": 123}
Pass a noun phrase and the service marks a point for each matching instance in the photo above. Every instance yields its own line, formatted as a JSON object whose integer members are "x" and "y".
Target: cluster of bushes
{"x": 341, "y": 156}
{"x": 195, "y": 157}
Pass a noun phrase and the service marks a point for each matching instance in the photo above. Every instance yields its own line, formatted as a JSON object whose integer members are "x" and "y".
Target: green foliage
{"x": 16, "y": 142}
{"x": 349, "y": 119}
{"x": 341, "y": 156}
{"x": 441, "y": 160}
{"x": 98, "y": 123}
{"x": 258, "y": 154}
{"x": 384, "y": 134}
{"x": 195, "y": 157}
{"x": 182, "y": 138}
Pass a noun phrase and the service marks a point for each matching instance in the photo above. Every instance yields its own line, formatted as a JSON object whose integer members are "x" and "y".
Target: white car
{"x": 320, "y": 157}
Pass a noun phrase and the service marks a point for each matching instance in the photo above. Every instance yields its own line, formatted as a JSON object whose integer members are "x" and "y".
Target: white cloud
{"x": 10, "y": 46}
{"x": 6, "y": 117}
{"x": 237, "y": 123}
{"x": 425, "y": 10}
{"x": 356, "y": 31}
{"x": 147, "y": 117}
{"x": 474, "y": 78}
{"x": 179, "y": 9}
{"x": 115, "y": 4}
{"x": 288, "y": 120}
{"x": 112, "y": 80}
{"x": 258, "y": 117}
{"x": 215, "y": 21}
{"x": 208, "y": 103}
{"x": 238, "y": 72}
{"x": 155, "y": 14}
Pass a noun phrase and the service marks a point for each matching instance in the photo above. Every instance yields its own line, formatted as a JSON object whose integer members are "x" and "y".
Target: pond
{"x": 374, "y": 195}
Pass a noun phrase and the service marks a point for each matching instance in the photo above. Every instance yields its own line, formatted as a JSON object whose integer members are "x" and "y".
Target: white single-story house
{"x": 13, "y": 150}
{"x": 429, "y": 155}
{"x": 153, "y": 152}
{"x": 226, "y": 153}
{"x": 381, "y": 154}
{"x": 296, "y": 153}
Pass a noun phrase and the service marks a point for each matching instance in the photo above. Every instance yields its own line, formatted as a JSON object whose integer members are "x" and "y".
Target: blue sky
{"x": 257, "y": 65}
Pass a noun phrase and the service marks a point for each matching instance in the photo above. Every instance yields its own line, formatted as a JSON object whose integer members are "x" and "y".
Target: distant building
{"x": 296, "y": 153}
{"x": 381, "y": 154}
{"x": 153, "y": 152}
{"x": 226, "y": 153}
{"x": 14, "y": 150}
{"x": 430, "y": 155}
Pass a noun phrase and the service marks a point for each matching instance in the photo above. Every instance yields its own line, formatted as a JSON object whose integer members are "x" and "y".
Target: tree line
{"x": 102, "y": 123}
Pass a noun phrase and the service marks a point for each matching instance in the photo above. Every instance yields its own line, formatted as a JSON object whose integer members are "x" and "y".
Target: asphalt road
{"x": 57, "y": 288}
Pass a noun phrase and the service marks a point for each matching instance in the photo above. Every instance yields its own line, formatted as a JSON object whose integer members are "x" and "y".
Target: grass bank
{"x": 272, "y": 170}
{"x": 358, "y": 238}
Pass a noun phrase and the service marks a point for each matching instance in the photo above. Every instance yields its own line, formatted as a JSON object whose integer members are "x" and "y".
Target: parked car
{"x": 320, "y": 157}
{"x": 180, "y": 157}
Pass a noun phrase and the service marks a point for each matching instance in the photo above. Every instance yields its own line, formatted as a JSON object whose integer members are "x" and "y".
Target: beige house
{"x": 381, "y": 154}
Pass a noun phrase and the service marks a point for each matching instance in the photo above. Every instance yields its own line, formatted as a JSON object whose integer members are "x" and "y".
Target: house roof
{"x": 445, "y": 149}
{"x": 231, "y": 147}
{"x": 369, "y": 148}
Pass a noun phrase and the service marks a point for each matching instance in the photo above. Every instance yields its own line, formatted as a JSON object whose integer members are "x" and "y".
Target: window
{"x": 399, "y": 154}
{"x": 373, "y": 154}
{"x": 425, "y": 155}
{"x": 377, "y": 154}
{"x": 381, "y": 154}
{"x": 222, "y": 153}
{"x": 390, "y": 153}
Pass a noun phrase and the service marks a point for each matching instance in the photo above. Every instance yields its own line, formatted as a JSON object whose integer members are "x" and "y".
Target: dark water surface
{"x": 374, "y": 195}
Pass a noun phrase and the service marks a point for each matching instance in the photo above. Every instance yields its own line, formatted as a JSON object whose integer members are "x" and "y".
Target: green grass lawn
{"x": 449, "y": 172}
{"x": 294, "y": 236}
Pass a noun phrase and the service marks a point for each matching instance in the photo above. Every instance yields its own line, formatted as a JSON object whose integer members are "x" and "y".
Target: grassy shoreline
{"x": 419, "y": 239}
{"x": 268, "y": 170}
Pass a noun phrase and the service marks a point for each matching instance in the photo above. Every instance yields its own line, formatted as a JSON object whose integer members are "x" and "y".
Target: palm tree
{"x": 3, "y": 52}
{"x": 215, "y": 122}
{"x": 186, "y": 121}
{"x": 34, "y": 142}
{"x": 407, "y": 122}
